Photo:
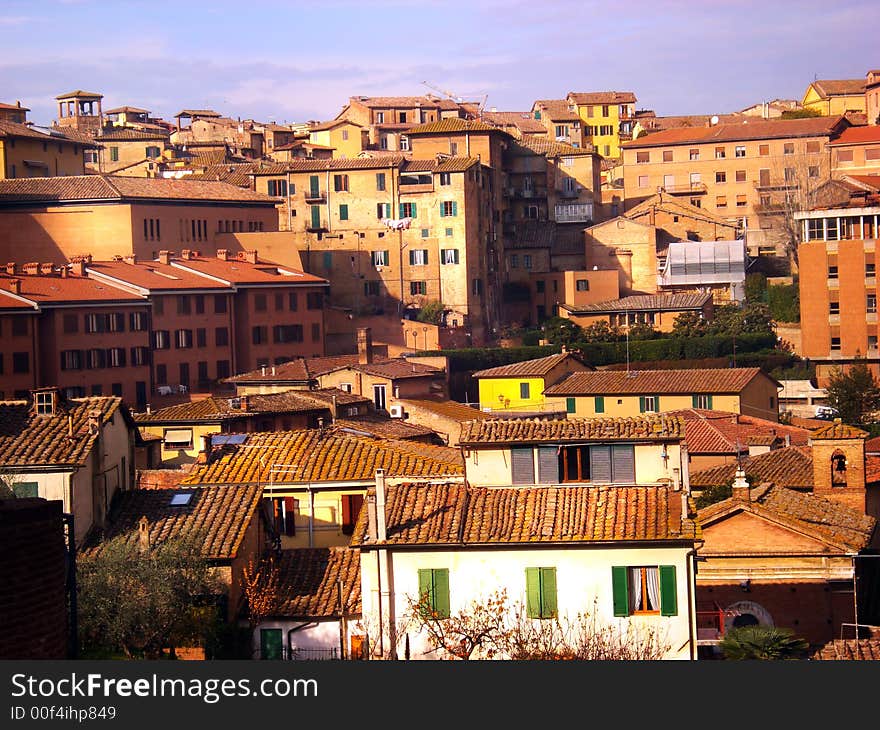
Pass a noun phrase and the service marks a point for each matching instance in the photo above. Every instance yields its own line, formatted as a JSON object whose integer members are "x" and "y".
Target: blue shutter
{"x": 442, "y": 210}
{"x": 401, "y": 211}
{"x": 454, "y": 208}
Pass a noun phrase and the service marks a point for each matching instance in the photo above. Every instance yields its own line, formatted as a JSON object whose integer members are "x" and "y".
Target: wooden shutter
{"x": 314, "y": 185}
{"x": 570, "y": 406}
{"x": 695, "y": 401}
{"x": 668, "y": 597}
{"x": 623, "y": 463}
{"x": 548, "y": 465}
{"x": 548, "y": 592}
{"x": 454, "y": 208}
{"x": 441, "y": 592}
{"x": 600, "y": 404}
{"x": 426, "y": 587}
{"x": 620, "y": 590}
{"x": 641, "y": 404}
{"x": 316, "y": 216}
{"x": 522, "y": 466}
{"x": 600, "y": 464}
{"x": 289, "y": 516}
{"x": 351, "y": 508}
{"x": 533, "y": 592}
{"x": 414, "y": 211}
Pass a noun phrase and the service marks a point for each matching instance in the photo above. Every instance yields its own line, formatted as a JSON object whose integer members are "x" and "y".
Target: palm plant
{"x": 763, "y": 642}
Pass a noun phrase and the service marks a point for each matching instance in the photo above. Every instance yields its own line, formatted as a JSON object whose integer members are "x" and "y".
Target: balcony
{"x": 782, "y": 185}
{"x": 315, "y": 196}
{"x": 574, "y": 213}
{"x": 572, "y": 193}
{"x": 694, "y": 188}
{"x": 711, "y": 625}
{"x": 317, "y": 226}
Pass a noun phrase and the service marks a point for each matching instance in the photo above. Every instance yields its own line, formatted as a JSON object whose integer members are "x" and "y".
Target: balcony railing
{"x": 314, "y": 654}
{"x": 315, "y": 196}
{"x": 317, "y": 226}
{"x": 691, "y": 188}
{"x": 711, "y": 625}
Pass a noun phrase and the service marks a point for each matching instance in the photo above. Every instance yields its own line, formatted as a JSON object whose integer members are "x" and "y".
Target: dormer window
{"x": 46, "y": 402}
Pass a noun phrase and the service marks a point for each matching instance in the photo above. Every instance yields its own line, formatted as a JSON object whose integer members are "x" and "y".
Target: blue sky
{"x": 295, "y": 61}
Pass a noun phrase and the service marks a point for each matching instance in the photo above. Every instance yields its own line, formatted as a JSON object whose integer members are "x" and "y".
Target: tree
{"x": 855, "y": 393}
{"x": 562, "y": 331}
{"x": 762, "y": 642}
{"x": 642, "y": 331}
{"x": 600, "y": 331}
{"x": 262, "y": 589}
{"x": 690, "y": 324}
{"x": 731, "y": 319}
{"x": 140, "y": 602}
{"x": 431, "y": 312}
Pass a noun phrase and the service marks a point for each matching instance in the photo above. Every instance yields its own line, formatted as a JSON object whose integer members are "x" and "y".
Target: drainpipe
{"x": 690, "y": 569}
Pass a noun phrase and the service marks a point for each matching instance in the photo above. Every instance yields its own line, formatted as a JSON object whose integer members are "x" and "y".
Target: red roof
{"x": 718, "y": 432}
{"x": 152, "y": 275}
{"x": 856, "y": 135}
{"x": 56, "y": 289}
{"x": 237, "y": 271}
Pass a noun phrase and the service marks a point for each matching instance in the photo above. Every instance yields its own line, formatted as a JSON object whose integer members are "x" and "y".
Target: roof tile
{"x": 651, "y": 427}
{"x": 697, "y": 380}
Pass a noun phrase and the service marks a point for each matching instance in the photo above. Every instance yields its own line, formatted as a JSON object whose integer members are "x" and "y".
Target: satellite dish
{"x": 714, "y": 120}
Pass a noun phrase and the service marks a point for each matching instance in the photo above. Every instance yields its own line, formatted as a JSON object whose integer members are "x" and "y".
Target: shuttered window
{"x": 702, "y": 401}
{"x": 623, "y": 463}
{"x": 600, "y": 464}
{"x": 522, "y": 466}
{"x": 434, "y": 591}
{"x": 570, "y": 405}
{"x": 548, "y": 465}
{"x": 599, "y": 404}
{"x": 351, "y": 508}
{"x": 524, "y": 391}
{"x": 640, "y": 589}
{"x": 541, "y": 592}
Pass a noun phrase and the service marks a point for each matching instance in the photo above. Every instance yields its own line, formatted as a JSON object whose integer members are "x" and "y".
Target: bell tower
{"x": 80, "y": 110}
{"x": 839, "y": 465}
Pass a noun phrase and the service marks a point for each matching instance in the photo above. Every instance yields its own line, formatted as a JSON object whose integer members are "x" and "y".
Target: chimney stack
{"x": 47, "y": 269}
{"x": 131, "y": 259}
{"x": 31, "y": 268}
{"x": 144, "y": 534}
{"x": 249, "y": 256}
{"x": 740, "y": 489}
{"x": 243, "y": 400}
{"x": 164, "y": 257}
{"x": 365, "y": 345}
{"x": 10, "y": 268}
{"x": 186, "y": 254}
{"x": 223, "y": 254}
{"x": 95, "y": 420}
{"x": 206, "y": 443}
{"x": 15, "y": 286}
{"x": 78, "y": 264}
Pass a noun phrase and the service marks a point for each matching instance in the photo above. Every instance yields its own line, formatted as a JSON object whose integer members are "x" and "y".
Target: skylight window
{"x": 180, "y": 499}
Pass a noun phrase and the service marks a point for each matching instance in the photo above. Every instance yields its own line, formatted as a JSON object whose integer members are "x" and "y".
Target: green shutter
{"x": 641, "y": 404}
{"x": 524, "y": 391}
{"x": 271, "y": 644}
{"x": 657, "y": 404}
{"x": 710, "y": 402}
{"x": 314, "y": 185}
{"x": 415, "y": 213}
{"x": 454, "y": 208}
{"x": 533, "y": 592}
{"x": 442, "y": 210}
{"x": 600, "y": 404}
{"x": 426, "y": 588}
{"x": 695, "y": 401}
{"x": 343, "y": 212}
{"x": 316, "y": 216}
{"x": 548, "y": 592}
{"x": 570, "y": 405}
{"x": 620, "y": 590}
{"x": 668, "y": 599}
{"x": 402, "y": 215}
{"x": 441, "y": 592}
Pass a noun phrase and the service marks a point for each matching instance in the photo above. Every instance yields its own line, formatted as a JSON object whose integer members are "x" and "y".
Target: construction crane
{"x": 480, "y": 101}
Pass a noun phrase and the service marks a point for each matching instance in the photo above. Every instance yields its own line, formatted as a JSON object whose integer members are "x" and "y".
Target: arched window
{"x": 838, "y": 469}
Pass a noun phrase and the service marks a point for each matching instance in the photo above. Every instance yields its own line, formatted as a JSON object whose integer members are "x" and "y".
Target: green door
{"x": 271, "y": 644}
{"x": 313, "y": 186}
{"x": 316, "y": 216}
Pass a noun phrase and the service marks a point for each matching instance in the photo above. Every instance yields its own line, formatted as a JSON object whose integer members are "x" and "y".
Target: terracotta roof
{"x": 315, "y": 456}
{"x": 115, "y": 187}
{"x": 27, "y": 439}
{"x": 618, "y": 382}
{"x": 452, "y": 125}
{"x": 354, "y": 163}
{"x": 602, "y": 97}
{"x": 14, "y": 129}
{"x": 54, "y": 289}
{"x": 448, "y": 408}
{"x": 548, "y": 148}
{"x": 332, "y": 124}
{"x": 334, "y": 395}
{"x": 647, "y": 302}
{"x": 447, "y": 164}
{"x": 126, "y": 134}
{"x": 665, "y": 202}
{"x": 397, "y": 369}
{"x": 153, "y": 276}
{"x": 221, "y": 515}
{"x": 234, "y": 173}
{"x": 525, "y": 122}
{"x": 856, "y": 135}
{"x": 654, "y": 123}
{"x": 79, "y": 92}
{"x": 832, "y": 522}
{"x": 649, "y": 427}
{"x": 132, "y": 109}
{"x": 386, "y": 428}
{"x": 556, "y": 110}
{"x": 443, "y": 514}
{"x": 237, "y": 270}
{"x": 198, "y": 113}
{"x": 745, "y": 131}
{"x": 309, "y": 580}
{"x": 528, "y": 368}
{"x": 873, "y": 445}
{"x": 405, "y": 102}
{"x": 300, "y": 370}
{"x": 214, "y": 408}
{"x": 791, "y": 467}
{"x": 838, "y": 431}
{"x": 839, "y": 87}
{"x": 718, "y": 432}
{"x": 808, "y": 423}
{"x": 14, "y": 107}
{"x": 849, "y": 650}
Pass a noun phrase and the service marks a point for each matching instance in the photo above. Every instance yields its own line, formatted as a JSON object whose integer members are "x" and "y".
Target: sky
{"x": 299, "y": 61}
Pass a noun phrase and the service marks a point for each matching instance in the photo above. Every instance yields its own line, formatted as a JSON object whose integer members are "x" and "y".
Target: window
{"x": 872, "y": 153}
{"x": 448, "y": 208}
{"x": 740, "y": 175}
{"x": 643, "y": 181}
{"x": 541, "y": 592}
{"x": 418, "y": 257}
{"x": 407, "y": 210}
{"x": 183, "y": 304}
{"x": 667, "y": 155}
{"x": 96, "y": 359}
{"x": 527, "y": 261}
{"x": 383, "y": 210}
{"x": 260, "y": 335}
{"x": 445, "y": 178}
{"x": 137, "y": 321}
{"x": 220, "y": 304}
{"x": 161, "y": 340}
{"x": 71, "y": 360}
{"x": 183, "y": 339}
{"x": 453, "y": 148}
{"x": 71, "y": 324}
{"x": 449, "y": 256}
{"x": 434, "y": 591}
{"x": 351, "y": 509}
{"x": 739, "y": 151}
{"x": 524, "y": 391}
{"x": 259, "y": 302}
{"x": 649, "y": 403}
{"x": 741, "y": 201}
{"x": 514, "y": 261}
{"x": 721, "y": 201}
{"x": 161, "y": 374}
{"x": 221, "y": 336}
{"x": 813, "y": 171}
{"x": 379, "y": 397}
{"x": 288, "y": 333}
{"x": 380, "y": 181}
{"x": 223, "y": 369}
{"x": 835, "y": 343}
{"x": 604, "y": 110}
{"x": 788, "y": 148}
{"x": 870, "y": 269}
{"x": 789, "y": 174}
{"x": 371, "y": 288}
{"x": 277, "y": 188}
{"x": 380, "y": 117}
{"x": 721, "y": 177}
{"x": 380, "y": 258}
{"x": 693, "y": 154}
{"x": 21, "y": 362}
{"x": 571, "y": 405}
{"x": 833, "y": 307}
{"x": 114, "y": 154}
{"x": 201, "y": 337}
{"x": 648, "y": 589}
{"x": 832, "y": 272}
{"x": 643, "y": 157}
{"x": 116, "y": 357}
{"x": 582, "y": 285}
{"x": 720, "y": 153}
{"x": 599, "y": 404}
{"x": 279, "y": 301}
{"x": 343, "y": 212}
{"x": 763, "y": 150}
{"x": 139, "y": 355}
{"x": 696, "y": 202}
{"x": 340, "y": 183}
{"x": 174, "y": 439}
{"x": 418, "y": 287}
{"x": 477, "y": 287}
{"x": 314, "y": 300}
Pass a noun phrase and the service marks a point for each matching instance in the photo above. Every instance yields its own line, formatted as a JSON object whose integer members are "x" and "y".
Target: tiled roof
{"x": 832, "y": 522}
{"x": 528, "y": 368}
{"x": 334, "y": 395}
{"x": 536, "y": 234}
{"x": 668, "y": 203}
{"x": 214, "y": 408}
{"x": 452, "y": 125}
{"x": 405, "y": 102}
{"x": 439, "y": 514}
{"x": 616, "y": 382}
{"x": 448, "y": 408}
{"x": 525, "y": 122}
{"x": 14, "y": 129}
{"x": 856, "y": 135}
{"x": 14, "y": 107}
{"x": 110, "y": 187}
{"x": 315, "y": 456}
{"x": 654, "y": 123}
{"x": 603, "y": 97}
{"x": 548, "y": 148}
{"x": 153, "y": 276}
{"x": 647, "y": 303}
{"x": 299, "y": 370}
{"x": 354, "y": 163}
{"x": 718, "y": 432}
{"x": 309, "y": 579}
{"x": 872, "y": 445}
{"x": 849, "y": 650}
{"x": 397, "y": 369}
{"x": 649, "y": 427}
{"x": 386, "y": 428}
{"x": 126, "y": 134}
{"x": 237, "y": 270}
{"x": 220, "y": 515}
{"x": 27, "y": 439}
{"x": 79, "y": 92}
{"x": 198, "y": 113}
{"x": 332, "y": 124}
{"x": 839, "y": 87}
{"x": 55, "y": 289}
{"x": 557, "y": 110}
{"x": 838, "y": 431}
{"x": 132, "y": 109}
{"x": 448, "y": 164}
{"x": 742, "y": 132}
{"x": 809, "y": 423}
{"x": 791, "y": 467}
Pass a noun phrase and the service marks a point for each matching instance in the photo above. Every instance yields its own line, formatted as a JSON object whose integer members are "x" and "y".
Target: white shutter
{"x": 548, "y": 465}
{"x": 522, "y": 466}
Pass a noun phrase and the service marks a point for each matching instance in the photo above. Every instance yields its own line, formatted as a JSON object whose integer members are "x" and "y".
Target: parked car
{"x": 826, "y": 413}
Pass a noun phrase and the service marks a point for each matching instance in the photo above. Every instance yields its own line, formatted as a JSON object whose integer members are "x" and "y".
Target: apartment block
{"x": 560, "y": 119}
{"x": 856, "y": 151}
{"x": 607, "y": 117}
{"x": 28, "y": 151}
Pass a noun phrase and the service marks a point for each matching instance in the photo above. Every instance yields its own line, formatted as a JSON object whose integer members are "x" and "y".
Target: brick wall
{"x": 33, "y": 606}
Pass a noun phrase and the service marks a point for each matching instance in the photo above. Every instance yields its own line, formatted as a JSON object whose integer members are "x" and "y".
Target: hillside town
{"x": 427, "y": 379}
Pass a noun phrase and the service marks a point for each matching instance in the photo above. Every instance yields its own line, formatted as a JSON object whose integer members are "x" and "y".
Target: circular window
{"x": 746, "y": 613}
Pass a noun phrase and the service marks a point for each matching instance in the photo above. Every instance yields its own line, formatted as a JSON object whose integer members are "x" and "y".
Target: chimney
{"x": 78, "y": 264}
{"x": 149, "y": 408}
{"x": 186, "y": 254}
{"x": 10, "y": 268}
{"x": 249, "y": 256}
{"x": 740, "y": 489}
{"x": 131, "y": 259}
{"x": 273, "y": 370}
{"x": 47, "y": 269}
{"x": 31, "y": 268}
{"x": 787, "y": 439}
{"x": 164, "y": 257}
{"x": 244, "y": 402}
{"x": 206, "y": 443}
{"x": 143, "y": 534}
{"x": 15, "y": 286}
{"x": 95, "y": 416}
{"x": 263, "y": 370}
{"x": 365, "y": 345}
{"x": 64, "y": 272}
{"x": 69, "y": 426}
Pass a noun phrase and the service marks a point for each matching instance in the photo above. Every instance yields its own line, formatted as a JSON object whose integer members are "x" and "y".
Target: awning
{"x": 178, "y": 436}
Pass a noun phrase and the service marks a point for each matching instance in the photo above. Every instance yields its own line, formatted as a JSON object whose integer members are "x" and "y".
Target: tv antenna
{"x": 480, "y": 101}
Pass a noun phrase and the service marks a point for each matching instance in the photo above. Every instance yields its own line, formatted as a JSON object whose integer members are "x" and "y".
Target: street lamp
{"x": 425, "y": 338}
{"x": 415, "y": 336}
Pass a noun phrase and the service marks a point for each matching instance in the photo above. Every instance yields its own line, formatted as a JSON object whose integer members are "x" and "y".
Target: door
{"x": 314, "y": 189}
{"x": 379, "y": 397}
{"x": 271, "y": 644}
{"x": 316, "y": 216}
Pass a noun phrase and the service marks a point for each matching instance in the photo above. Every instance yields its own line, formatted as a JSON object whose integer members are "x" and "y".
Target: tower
{"x": 839, "y": 465}
{"x": 80, "y": 110}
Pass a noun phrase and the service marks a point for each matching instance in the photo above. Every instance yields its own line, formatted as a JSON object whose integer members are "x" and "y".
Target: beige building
{"x": 832, "y": 97}
{"x": 29, "y": 151}
{"x": 560, "y": 120}
{"x": 654, "y": 310}
{"x": 856, "y": 151}
{"x": 129, "y": 151}
{"x": 346, "y": 138}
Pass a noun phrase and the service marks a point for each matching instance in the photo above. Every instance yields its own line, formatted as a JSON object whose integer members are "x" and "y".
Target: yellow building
{"x": 608, "y": 393}
{"x": 519, "y": 388}
{"x": 128, "y": 151}
{"x": 28, "y": 151}
{"x": 607, "y": 118}
{"x": 345, "y": 137}
{"x": 832, "y": 97}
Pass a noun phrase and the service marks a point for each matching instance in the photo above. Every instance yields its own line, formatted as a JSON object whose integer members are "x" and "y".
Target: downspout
{"x": 691, "y": 561}
{"x": 289, "y": 216}
{"x": 329, "y": 217}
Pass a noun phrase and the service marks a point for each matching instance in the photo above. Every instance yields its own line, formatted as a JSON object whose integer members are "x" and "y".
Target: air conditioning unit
{"x": 396, "y": 411}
